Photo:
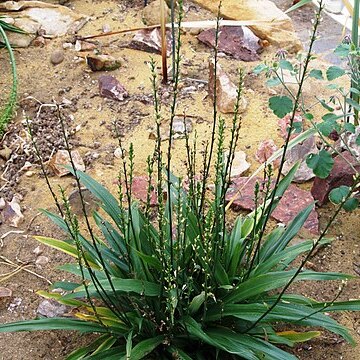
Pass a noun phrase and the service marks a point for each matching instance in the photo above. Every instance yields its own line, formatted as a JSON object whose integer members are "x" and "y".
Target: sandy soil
{"x": 90, "y": 119}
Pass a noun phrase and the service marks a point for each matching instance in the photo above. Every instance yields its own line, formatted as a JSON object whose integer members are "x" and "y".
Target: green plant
{"x": 185, "y": 283}
{"x": 7, "y": 113}
{"x": 340, "y": 107}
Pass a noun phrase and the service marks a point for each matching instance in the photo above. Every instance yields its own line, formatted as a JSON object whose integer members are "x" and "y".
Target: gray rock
{"x": 57, "y": 57}
{"x": 300, "y": 152}
{"x": 51, "y": 308}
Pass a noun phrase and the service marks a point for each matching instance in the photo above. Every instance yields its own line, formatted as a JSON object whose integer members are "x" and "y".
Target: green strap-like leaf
{"x": 144, "y": 348}
{"x": 53, "y": 324}
{"x": 122, "y": 286}
{"x": 288, "y": 313}
{"x": 266, "y": 282}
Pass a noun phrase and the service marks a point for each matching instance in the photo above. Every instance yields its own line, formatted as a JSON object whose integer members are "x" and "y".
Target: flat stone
{"x": 149, "y": 40}
{"x": 341, "y": 174}
{"x": 5, "y": 292}
{"x": 90, "y": 201}
{"x": 299, "y": 153}
{"x": 270, "y": 23}
{"x": 237, "y": 41}
{"x": 110, "y": 88}
{"x": 34, "y": 16}
{"x": 226, "y": 90}
{"x": 102, "y": 62}
{"x": 293, "y": 201}
{"x": 50, "y": 308}
{"x": 61, "y": 158}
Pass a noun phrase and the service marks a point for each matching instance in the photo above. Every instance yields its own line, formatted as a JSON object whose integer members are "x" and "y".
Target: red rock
{"x": 139, "y": 190}
{"x": 284, "y": 125}
{"x": 237, "y": 41}
{"x": 111, "y": 88}
{"x": 341, "y": 174}
{"x": 149, "y": 40}
{"x": 265, "y": 150}
{"x": 293, "y": 201}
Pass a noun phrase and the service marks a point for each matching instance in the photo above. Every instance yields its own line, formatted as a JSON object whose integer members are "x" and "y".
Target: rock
{"x": 237, "y": 41}
{"x": 35, "y": 16}
{"x": 293, "y": 201}
{"x": 226, "y": 90}
{"x": 11, "y": 213}
{"x": 2, "y": 203}
{"x": 39, "y": 41}
{"x": 118, "y": 153}
{"x": 265, "y": 150}
{"x": 151, "y": 13}
{"x": 139, "y": 190}
{"x": 106, "y": 28}
{"x": 180, "y": 128}
{"x": 41, "y": 261}
{"x": 5, "y": 292}
{"x": 81, "y": 45}
{"x": 111, "y": 88}
{"x": 61, "y": 158}
{"x": 5, "y": 153}
{"x": 270, "y": 23}
{"x": 350, "y": 140}
{"x": 284, "y": 125}
{"x": 102, "y": 62}
{"x": 240, "y": 165}
{"x": 50, "y": 308}
{"x": 90, "y": 201}
{"x": 149, "y": 40}
{"x": 341, "y": 174}
{"x": 300, "y": 152}
{"x": 37, "y": 251}
{"x": 57, "y": 57}
{"x": 5, "y": 296}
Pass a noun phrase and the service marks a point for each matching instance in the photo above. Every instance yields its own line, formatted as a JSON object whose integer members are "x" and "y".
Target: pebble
{"x": 118, "y": 153}
{"x": 42, "y": 260}
{"x": 37, "y": 251}
{"x": 57, "y": 57}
